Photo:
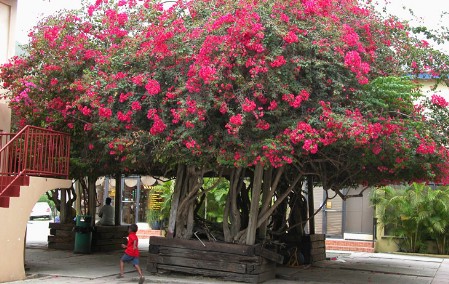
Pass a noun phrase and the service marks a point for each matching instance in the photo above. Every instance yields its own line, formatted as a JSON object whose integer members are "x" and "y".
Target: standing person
{"x": 131, "y": 253}
{"x": 106, "y": 214}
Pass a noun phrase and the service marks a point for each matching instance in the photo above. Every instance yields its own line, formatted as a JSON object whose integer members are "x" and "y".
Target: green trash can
{"x": 83, "y": 234}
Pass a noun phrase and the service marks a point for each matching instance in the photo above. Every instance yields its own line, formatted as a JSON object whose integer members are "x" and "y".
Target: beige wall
{"x": 5, "y": 118}
{"x": 359, "y": 213}
{"x": 427, "y": 85}
{"x": 318, "y": 195}
{"x": 8, "y": 12}
{"x": 13, "y": 221}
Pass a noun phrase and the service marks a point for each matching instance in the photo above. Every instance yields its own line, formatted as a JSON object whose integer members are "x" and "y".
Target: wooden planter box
{"x": 62, "y": 236}
{"x": 252, "y": 264}
{"x": 104, "y": 238}
{"x": 305, "y": 250}
{"x": 108, "y": 238}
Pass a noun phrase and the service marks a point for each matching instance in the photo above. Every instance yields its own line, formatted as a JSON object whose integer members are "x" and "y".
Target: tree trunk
{"x": 180, "y": 175}
{"x": 265, "y": 215}
{"x": 266, "y": 199}
{"x": 310, "y": 204}
{"x": 186, "y": 207}
{"x": 64, "y": 199}
{"x": 92, "y": 199}
{"x": 231, "y": 215}
{"x": 63, "y": 209}
{"x": 118, "y": 199}
{"x": 254, "y": 211}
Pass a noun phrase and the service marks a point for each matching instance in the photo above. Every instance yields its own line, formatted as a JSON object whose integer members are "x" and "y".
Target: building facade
{"x": 14, "y": 217}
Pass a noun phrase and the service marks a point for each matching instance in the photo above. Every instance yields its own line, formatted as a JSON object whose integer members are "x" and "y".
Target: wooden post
{"x": 118, "y": 199}
{"x": 254, "y": 211}
{"x": 311, "y": 205}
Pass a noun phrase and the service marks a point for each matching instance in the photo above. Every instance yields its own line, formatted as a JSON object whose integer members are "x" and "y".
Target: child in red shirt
{"x": 131, "y": 253}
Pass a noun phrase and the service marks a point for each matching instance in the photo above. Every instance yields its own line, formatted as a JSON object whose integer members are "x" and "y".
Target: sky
{"x": 31, "y": 11}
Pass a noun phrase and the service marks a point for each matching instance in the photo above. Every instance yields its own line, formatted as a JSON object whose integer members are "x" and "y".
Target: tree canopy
{"x": 321, "y": 88}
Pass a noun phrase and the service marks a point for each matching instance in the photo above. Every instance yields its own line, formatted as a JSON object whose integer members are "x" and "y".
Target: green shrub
{"x": 414, "y": 214}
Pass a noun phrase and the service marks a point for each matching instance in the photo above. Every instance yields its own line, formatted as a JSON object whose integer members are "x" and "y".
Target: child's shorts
{"x": 132, "y": 259}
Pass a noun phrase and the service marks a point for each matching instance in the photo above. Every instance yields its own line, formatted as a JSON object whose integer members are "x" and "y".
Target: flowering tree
{"x": 269, "y": 92}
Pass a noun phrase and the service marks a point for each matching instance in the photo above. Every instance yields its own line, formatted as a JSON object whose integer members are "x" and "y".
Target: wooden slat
{"x": 59, "y": 226}
{"x": 62, "y": 233}
{"x": 205, "y": 255}
{"x": 217, "y": 265}
{"x": 197, "y": 245}
{"x": 218, "y": 260}
{"x": 268, "y": 254}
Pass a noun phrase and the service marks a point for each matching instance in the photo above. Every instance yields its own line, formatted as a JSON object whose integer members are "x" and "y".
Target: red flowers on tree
{"x": 290, "y": 83}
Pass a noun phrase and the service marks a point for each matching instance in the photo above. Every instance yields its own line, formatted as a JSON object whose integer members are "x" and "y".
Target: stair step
{"x": 12, "y": 191}
{"x": 4, "y": 202}
{"x": 20, "y": 181}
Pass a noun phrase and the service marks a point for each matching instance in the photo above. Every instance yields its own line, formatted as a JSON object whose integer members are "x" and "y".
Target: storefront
{"x": 135, "y": 196}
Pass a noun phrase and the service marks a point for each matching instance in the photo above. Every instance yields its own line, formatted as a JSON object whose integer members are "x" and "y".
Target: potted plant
{"x": 160, "y": 198}
{"x": 155, "y": 219}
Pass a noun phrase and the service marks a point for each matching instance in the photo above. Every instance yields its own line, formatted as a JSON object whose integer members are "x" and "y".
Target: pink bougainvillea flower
{"x": 439, "y": 101}
{"x": 249, "y": 105}
{"x": 278, "y": 61}
{"x": 136, "y": 106}
{"x": 153, "y": 87}
{"x": 105, "y": 112}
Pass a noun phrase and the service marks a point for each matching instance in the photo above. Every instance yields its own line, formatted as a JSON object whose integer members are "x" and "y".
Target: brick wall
{"x": 349, "y": 245}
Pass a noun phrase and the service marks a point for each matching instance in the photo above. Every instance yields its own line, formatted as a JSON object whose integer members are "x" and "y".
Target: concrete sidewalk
{"x": 53, "y": 266}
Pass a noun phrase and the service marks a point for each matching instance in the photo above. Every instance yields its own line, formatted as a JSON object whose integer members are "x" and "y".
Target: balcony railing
{"x": 33, "y": 151}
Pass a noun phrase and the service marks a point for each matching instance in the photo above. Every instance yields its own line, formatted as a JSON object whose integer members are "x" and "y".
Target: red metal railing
{"x": 33, "y": 151}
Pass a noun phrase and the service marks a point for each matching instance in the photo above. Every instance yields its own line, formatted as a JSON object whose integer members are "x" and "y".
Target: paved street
{"x": 52, "y": 266}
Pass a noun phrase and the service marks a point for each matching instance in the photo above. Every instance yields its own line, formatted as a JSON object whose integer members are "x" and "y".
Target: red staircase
{"x": 33, "y": 151}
